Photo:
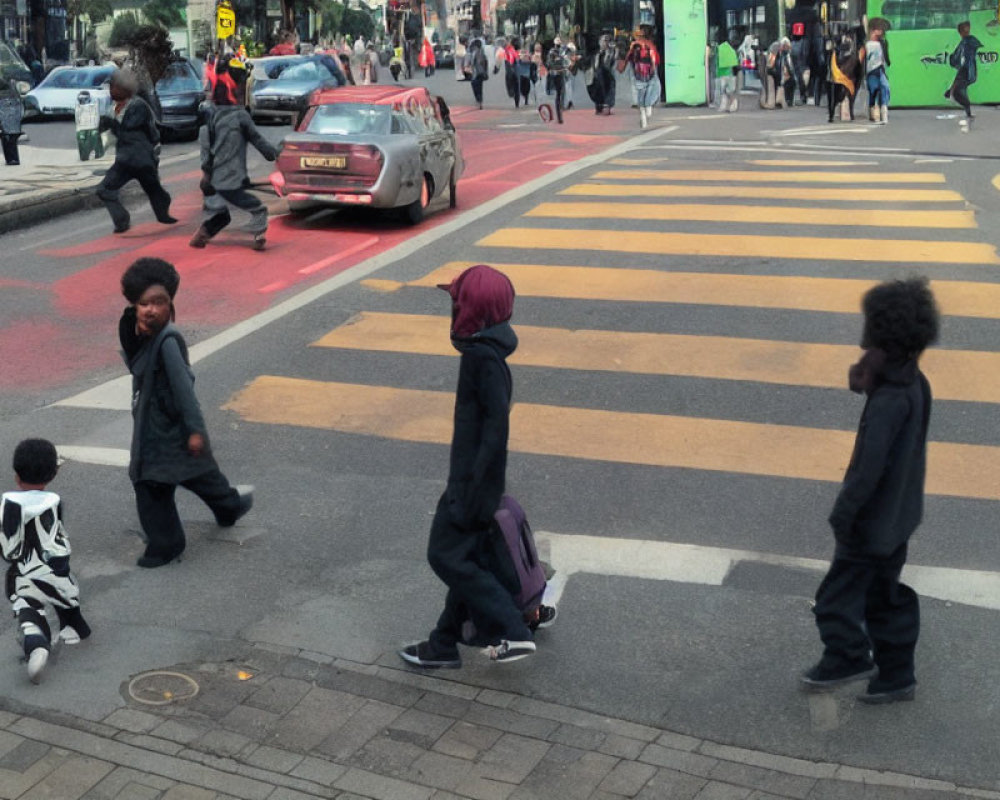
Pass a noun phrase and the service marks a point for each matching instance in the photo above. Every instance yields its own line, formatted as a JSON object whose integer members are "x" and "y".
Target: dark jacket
{"x": 881, "y": 501}
{"x": 136, "y": 134}
{"x": 482, "y": 410}
{"x": 165, "y": 410}
{"x": 964, "y": 58}
{"x": 224, "y": 138}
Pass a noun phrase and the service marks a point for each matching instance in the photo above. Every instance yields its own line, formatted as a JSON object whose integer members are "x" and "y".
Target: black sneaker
{"x": 510, "y": 651}
{"x": 423, "y": 654}
{"x": 544, "y": 617}
{"x": 879, "y": 694}
{"x": 829, "y": 673}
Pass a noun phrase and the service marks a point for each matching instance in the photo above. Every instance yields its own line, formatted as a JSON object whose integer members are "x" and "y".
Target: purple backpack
{"x": 523, "y": 573}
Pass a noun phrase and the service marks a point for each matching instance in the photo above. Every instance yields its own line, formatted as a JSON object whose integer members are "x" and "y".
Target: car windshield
{"x": 77, "y": 78}
{"x": 178, "y": 78}
{"x": 344, "y": 119}
{"x": 9, "y": 57}
{"x": 309, "y": 71}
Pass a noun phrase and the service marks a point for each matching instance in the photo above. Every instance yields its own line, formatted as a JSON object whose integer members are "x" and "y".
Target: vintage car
{"x": 280, "y": 86}
{"x": 56, "y": 94}
{"x": 377, "y": 146}
{"x": 178, "y": 94}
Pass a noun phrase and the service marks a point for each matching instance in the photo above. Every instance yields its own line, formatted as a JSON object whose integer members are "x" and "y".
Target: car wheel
{"x": 452, "y": 190}
{"x": 415, "y": 210}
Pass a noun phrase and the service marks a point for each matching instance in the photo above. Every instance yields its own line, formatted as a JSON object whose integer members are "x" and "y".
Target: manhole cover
{"x": 162, "y": 688}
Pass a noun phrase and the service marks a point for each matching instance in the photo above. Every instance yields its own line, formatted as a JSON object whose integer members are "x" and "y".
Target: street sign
{"x": 225, "y": 21}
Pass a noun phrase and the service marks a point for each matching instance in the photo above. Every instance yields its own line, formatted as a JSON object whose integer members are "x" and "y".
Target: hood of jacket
{"x": 481, "y": 297}
{"x": 876, "y": 368}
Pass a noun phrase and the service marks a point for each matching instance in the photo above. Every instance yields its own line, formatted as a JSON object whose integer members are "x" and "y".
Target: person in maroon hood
{"x": 482, "y": 305}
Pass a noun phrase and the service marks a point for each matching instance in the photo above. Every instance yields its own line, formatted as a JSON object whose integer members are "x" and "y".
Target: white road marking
{"x": 104, "y": 456}
{"x": 116, "y": 394}
{"x": 709, "y": 566}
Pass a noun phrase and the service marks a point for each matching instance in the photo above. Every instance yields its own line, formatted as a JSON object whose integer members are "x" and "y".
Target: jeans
{"x": 158, "y": 511}
{"x": 120, "y": 174}
{"x": 878, "y": 87}
{"x": 960, "y": 92}
{"x": 473, "y": 592}
{"x": 862, "y": 606}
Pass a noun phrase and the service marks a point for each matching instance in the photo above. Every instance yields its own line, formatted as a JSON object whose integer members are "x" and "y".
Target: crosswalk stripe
{"x": 833, "y": 295}
{"x": 809, "y": 193}
{"x": 954, "y": 374}
{"x": 904, "y": 251}
{"x": 876, "y": 217}
{"x": 861, "y": 179}
{"x": 789, "y": 451}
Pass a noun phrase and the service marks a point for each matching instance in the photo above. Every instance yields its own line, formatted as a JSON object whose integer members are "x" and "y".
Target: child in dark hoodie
{"x": 169, "y": 438}
{"x": 869, "y": 621}
{"x": 482, "y": 305}
{"x": 964, "y": 62}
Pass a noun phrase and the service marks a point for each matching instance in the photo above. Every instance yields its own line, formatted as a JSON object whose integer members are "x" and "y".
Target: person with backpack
{"x": 482, "y": 303}
{"x": 477, "y": 67}
{"x": 644, "y": 59}
{"x": 964, "y": 62}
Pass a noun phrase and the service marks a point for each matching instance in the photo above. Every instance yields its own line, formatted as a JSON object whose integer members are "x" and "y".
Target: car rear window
{"x": 345, "y": 119}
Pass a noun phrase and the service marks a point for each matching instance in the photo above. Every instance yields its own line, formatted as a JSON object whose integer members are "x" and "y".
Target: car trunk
{"x": 313, "y": 164}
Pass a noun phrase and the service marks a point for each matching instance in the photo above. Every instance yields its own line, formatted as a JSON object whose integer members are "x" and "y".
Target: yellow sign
{"x": 225, "y": 22}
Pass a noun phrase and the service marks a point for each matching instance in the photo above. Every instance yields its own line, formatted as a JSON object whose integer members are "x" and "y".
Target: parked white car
{"x": 56, "y": 94}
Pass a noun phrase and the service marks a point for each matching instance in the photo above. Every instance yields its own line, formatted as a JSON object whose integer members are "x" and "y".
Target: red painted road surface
{"x": 227, "y": 282}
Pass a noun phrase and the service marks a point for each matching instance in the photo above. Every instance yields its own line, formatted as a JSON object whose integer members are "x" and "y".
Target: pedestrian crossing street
{"x": 659, "y": 237}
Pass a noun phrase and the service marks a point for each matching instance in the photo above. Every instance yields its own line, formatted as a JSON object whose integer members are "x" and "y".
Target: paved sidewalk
{"x": 283, "y": 726}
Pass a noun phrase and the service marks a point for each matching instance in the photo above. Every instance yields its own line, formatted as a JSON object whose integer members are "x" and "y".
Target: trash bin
{"x": 88, "y": 123}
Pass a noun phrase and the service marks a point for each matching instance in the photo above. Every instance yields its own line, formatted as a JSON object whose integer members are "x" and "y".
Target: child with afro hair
{"x": 869, "y": 621}
{"x": 169, "y": 439}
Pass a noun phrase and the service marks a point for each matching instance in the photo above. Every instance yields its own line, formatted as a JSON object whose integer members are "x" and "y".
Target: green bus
{"x": 922, "y": 35}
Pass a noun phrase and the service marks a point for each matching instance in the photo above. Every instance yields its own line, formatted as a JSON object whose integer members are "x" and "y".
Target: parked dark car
{"x": 13, "y": 68}
{"x": 444, "y": 55}
{"x": 179, "y": 93}
{"x": 281, "y": 85}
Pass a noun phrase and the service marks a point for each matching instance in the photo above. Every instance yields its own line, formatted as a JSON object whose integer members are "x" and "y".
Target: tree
{"x": 332, "y": 12}
{"x": 151, "y": 50}
{"x": 122, "y": 29}
{"x": 358, "y": 23}
{"x": 166, "y": 13}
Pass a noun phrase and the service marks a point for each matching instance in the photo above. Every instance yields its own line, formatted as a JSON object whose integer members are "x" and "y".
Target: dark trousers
{"x": 10, "y": 152}
{"x": 120, "y": 174}
{"x": 477, "y": 88}
{"x": 861, "y": 606}
{"x": 524, "y": 87}
{"x": 960, "y": 91}
{"x": 240, "y": 198}
{"x": 158, "y": 509}
{"x": 559, "y": 87}
{"x": 454, "y": 554}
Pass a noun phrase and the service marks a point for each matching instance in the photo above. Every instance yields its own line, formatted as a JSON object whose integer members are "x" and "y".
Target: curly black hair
{"x": 36, "y": 461}
{"x": 901, "y": 318}
{"x": 146, "y": 272}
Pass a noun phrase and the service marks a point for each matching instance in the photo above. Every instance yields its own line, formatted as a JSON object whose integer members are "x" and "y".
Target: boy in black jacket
{"x": 869, "y": 621}
{"x": 482, "y": 305}
{"x": 169, "y": 438}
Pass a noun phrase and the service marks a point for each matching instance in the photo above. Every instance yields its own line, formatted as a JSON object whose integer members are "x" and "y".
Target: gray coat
{"x": 223, "y": 139}
{"x": 165, "y": 410}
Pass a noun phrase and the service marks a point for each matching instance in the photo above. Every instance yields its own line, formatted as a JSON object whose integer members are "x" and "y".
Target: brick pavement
{"x": 287, "y": 726}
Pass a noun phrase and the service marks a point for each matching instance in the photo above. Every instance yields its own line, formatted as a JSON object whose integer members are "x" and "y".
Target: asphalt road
{"x": 346, "y": 440}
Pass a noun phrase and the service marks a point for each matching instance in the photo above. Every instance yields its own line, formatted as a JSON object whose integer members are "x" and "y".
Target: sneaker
{"x": 544, "y": 617}
{"x": 510, "y": 651}
{"x": 246, "y": 499}
{"x": 878, "y": 695}
{"x": 424, "y": 655}
{"x": 167, "y": 220}
{"x": 122, "y": 228}
{"x": 830, "y": 673}
{"x": 259, "y": 242}
{"x": 69, "y": 635}
{"x": 152, "y": 561}
{"x": 37, "y": 660}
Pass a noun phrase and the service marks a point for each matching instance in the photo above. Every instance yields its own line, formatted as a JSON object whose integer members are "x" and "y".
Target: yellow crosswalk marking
{"x": 833, "y": 295}
{"x": 810, "y": 193}
{"x": 862, "y": 179}
{"x": 954, "y": 374}
{"x": 789, "y": 451}
{"x": 876, "y": 217}
{"x": 903, "y": 251}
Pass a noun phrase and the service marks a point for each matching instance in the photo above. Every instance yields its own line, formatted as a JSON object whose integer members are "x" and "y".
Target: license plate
{"x": 324, "y": 162}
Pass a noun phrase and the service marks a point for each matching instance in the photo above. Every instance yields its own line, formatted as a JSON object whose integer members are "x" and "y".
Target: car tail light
{"x": 365, "y": 160}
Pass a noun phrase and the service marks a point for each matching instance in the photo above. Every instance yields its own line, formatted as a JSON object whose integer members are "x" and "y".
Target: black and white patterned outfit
{"x": 33, "y": 541}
